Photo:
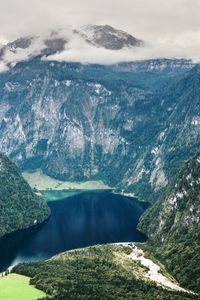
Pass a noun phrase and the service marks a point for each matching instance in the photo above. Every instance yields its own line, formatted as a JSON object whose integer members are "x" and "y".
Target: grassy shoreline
{"x": 38, "y": 180}
{"x": 53, "y": 189}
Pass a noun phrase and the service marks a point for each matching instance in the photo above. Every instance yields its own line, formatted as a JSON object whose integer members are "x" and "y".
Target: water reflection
{"x": 81, "y": 220}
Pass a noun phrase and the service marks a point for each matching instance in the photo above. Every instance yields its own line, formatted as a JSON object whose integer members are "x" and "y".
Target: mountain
{"x": 98, "y": 272}
{"x": 25, "y": 48}
{"x": 88, "y": 38}
{"x": 129, "y": 128}
{"x": 169, "y": 66}
{"x": 172, "y": 224}
{"x": 20, "y": 207}
{"x": 130, "y": 125}
{"x": 109, "y": 38}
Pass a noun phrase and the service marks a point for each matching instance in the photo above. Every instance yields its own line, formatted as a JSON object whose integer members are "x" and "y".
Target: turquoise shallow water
{"x": 60, "y": 194}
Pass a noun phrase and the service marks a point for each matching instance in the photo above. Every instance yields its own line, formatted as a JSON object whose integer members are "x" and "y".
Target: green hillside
{"x": 172, "y": 224}
{"x": 20, "y": 207}
{"x": 98, "y": 272}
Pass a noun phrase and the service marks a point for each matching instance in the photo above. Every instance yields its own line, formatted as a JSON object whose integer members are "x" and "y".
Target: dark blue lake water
{"x": 85, "y": 219}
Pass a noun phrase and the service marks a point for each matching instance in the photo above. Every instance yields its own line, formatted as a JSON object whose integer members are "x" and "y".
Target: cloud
{"x": 170, "y": 28}
{"x": 77, "y": 50}
{"x": 3, "y": 67}
{"x": 89, "y": 54}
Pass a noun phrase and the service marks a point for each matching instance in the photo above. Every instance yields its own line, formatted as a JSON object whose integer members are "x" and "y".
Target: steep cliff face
{"x": 20, "y": 207}
{"x": 172, "y": 224}
{"x": 129, "y": 125}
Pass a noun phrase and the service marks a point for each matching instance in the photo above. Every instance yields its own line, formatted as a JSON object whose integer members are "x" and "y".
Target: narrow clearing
{"x": 154, "y": 272}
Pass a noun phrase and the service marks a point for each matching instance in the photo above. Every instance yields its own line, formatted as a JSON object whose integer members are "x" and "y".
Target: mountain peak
{"x": 87, "y": 38}
{"x": 109, "y": 37}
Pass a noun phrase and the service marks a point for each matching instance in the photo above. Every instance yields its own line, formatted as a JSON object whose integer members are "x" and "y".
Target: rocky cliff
{"x": 130, "y": 125}
{"x": 172, "y": 224}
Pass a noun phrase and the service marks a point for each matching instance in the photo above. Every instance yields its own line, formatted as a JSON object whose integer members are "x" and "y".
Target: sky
{"x": 169, "y": 27}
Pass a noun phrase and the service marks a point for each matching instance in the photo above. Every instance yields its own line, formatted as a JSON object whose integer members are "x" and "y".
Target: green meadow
{"x": 16, "y": 287}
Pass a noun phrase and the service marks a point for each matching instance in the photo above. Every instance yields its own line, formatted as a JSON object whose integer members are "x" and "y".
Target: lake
{"x": 88, "y": 218}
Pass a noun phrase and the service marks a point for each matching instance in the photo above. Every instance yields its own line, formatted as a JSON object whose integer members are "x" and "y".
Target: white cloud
{"x": 89, "y": 54}
{"x": 3, "y": 67}
{"x": 170, "y": 28}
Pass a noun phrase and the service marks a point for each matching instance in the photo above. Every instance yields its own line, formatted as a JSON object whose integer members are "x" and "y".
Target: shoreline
{"x": 41, "y": 182}
{"x": 153, "y": 269}
{"x": 130, "y": 195}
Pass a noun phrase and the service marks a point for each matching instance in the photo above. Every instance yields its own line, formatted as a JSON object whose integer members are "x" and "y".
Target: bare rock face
{"x": 108, "y": 37}
{"x": 21, "y": 43}
{"x": 54, "y": 45}
{"x": 172, "y": 224}
{"x": 179, "y": 208}
{"x": 121, "y": 124}
{"x": 29, "y": 47}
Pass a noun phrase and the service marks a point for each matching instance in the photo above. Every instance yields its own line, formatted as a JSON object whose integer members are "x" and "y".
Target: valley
{"x": 91, "y": 217}
{"x": 99, "y": 171}
{"x": 88, "y": 122}
{"x": 38, "y": 180}
{"x": 52, "y": 189}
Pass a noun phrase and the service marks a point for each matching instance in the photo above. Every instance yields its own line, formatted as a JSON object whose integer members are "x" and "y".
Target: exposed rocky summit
{"x": 108, "y": 37}
{"x": 56, "y": 41}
